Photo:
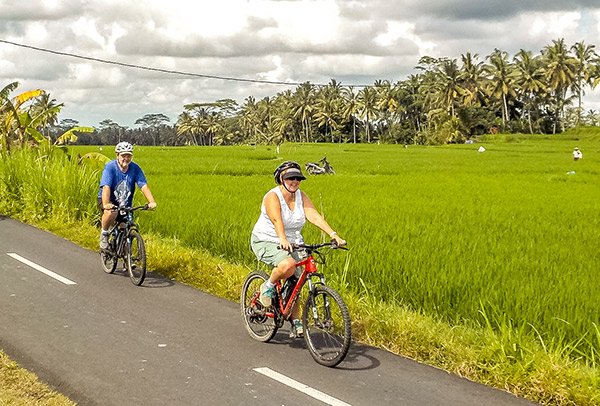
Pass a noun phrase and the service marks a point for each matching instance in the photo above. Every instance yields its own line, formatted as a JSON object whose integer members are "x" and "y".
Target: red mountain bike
{"x": 325, "y": 316}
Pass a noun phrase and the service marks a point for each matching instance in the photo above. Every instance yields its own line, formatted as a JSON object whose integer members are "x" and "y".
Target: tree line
{"x": 447, "y": 100}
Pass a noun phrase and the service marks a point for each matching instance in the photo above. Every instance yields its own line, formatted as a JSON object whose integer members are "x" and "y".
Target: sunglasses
{"x": 295, "y": 178}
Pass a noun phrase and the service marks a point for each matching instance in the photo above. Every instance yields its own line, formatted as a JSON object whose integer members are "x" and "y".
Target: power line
{"x": 168, "y": 71}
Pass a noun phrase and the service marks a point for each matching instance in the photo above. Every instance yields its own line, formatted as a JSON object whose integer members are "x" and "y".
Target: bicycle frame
{"x": 309, "y": 270}
{"x": 123, "y": 225}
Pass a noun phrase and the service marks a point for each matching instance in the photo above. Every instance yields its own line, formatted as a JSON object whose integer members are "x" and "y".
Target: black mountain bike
{"x": 126, "y": 243}
{"x": 325, "y": 316}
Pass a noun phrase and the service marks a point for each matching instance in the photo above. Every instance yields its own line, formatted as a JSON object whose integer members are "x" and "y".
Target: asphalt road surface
{"x": 100, "y": 340}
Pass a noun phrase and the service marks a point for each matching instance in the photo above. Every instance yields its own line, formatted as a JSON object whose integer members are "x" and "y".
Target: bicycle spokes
{"x": 258, "y": 320}
{"x": 327, "y": 326}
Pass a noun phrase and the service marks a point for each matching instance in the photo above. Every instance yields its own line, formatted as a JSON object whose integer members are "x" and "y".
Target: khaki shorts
{"x": 269, "y": 253}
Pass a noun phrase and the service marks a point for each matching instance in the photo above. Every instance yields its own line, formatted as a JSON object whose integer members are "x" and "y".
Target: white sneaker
{"x": 266, "y": 295}
{"x": 103, "y": 241}
{"x": 297, "y": 329}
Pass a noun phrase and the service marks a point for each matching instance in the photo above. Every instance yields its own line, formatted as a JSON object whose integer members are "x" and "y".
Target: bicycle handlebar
{"x": 129, "y": 209}
{"x": 314, "y": 247}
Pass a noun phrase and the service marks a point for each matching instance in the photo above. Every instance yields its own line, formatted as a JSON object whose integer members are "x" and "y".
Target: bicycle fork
{"x": 327, "y": 309}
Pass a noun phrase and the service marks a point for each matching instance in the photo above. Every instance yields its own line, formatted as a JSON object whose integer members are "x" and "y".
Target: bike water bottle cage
{"x": 282, "y": 167}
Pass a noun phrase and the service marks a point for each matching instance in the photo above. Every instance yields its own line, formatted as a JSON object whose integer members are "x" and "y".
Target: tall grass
{"x": 47, "y": 183}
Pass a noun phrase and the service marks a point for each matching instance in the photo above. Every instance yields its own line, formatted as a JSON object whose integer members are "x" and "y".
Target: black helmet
{"x": 284, "y": 166}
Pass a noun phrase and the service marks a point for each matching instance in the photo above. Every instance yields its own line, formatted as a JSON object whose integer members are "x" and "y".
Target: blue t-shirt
{"x": 122, "y": 185}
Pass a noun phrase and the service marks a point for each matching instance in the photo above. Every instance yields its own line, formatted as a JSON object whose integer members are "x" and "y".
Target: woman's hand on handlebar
{"x": 109, "y": 206}
{"x": 152, "y": 205}
{"x": 284, "y": 244}
{"x": 339, "y": 241}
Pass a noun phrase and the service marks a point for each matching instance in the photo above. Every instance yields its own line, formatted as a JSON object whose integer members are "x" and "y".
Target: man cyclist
{"x": 117, "y": 185}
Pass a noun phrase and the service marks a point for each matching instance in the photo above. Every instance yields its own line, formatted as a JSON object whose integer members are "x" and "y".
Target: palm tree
{"x": 413, "y": 100}
{"x": 502, "y": 80}
{"x": 585, "y": 56}
{"x": 283, "y": 119}
{"x": 367, "y": 107}
{"x": 448, "y": 85}
{"x": 560, "y": 74}
{"x": 328, "y": 108}
{"x": 46, "y": 109}
{"x": 350, "y": 108}
{"x": 187, "y": 127}
{"x": 249, "y": 119}
{"x": 472, "y": 77}
{"x": 387, "y": 101}
{"x": 530, "y": 81}
{"x": 303, "y": 106}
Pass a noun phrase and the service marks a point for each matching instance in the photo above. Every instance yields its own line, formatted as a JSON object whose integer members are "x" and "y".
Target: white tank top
{"x": 293, "y": 221}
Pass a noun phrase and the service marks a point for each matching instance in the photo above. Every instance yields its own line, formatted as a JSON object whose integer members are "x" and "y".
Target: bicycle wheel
{"x": 135, "y": 258}
{"x": 260, "y": 326}
{"x": 108, "y": 257}
{"x": 327, "y": 327}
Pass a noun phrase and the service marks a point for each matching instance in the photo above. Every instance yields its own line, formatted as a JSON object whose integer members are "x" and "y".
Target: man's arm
{"x": 148, "y": 195}
{"x": 106, "y": 204}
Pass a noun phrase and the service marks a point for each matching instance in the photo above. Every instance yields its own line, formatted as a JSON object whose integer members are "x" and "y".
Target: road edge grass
{"x": 499, "y": 357}
{"x": 21, "y": 387}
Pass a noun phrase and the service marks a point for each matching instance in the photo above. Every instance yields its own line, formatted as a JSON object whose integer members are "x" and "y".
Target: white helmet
{"x": 124, "y": 148}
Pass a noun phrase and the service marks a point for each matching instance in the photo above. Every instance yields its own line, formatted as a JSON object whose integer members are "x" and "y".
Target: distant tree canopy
{"x": 446, "y": 101}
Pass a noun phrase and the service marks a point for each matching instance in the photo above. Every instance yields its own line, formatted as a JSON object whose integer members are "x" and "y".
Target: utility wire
{"x": 172, "y": 72}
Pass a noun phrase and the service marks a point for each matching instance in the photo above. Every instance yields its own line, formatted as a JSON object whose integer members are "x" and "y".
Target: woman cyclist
{"x": 284, "y": 210}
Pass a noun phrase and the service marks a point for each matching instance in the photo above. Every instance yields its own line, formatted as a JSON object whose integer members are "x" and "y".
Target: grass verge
{"x": 20, "y": 387}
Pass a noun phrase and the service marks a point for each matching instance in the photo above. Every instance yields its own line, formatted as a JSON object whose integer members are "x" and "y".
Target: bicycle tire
{"x": 327, "y": 326}
{"x": 259, "y": 326}
{"x": 135, "y": 257}
{"x": 108, "y": 258}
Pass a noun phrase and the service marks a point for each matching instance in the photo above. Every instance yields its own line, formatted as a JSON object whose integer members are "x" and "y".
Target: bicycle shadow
{"x": 357, "y": 359}
{"x": 153, "y": 280}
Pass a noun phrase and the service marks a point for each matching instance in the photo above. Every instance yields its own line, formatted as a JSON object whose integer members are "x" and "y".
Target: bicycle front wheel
{"x": 260, "y": 326}
{"x": 109, "y": 261}
{"x": 135, "y": 258}
{"x": 327, "y": 326}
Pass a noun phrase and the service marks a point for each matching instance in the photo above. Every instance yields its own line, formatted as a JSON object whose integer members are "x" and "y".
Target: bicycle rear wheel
{"x": 135, "y": 258}
{"x": 260, "y": 326}
{"x": 327, "y": 326}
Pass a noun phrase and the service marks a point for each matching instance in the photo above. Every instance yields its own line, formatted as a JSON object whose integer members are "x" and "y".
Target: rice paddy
{"x": 502, "y": 237}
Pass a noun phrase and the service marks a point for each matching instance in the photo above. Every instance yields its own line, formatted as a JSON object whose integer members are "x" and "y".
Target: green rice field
{"x": 502, "y": 237}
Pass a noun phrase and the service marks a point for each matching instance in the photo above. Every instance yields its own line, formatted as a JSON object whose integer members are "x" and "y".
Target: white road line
{"x": 41, "y": 269}
{"x": 323, "y": 397}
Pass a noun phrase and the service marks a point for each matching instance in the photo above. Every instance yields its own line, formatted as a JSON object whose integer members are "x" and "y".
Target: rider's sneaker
{"x": 266, "y": 295}
{"x": 103, "y": 241}
{"x": 297, "y": 329}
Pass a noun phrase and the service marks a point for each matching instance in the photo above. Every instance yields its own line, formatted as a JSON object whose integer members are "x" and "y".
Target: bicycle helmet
{"x": 285, "y": 166}
{"x": 124, "y": 148}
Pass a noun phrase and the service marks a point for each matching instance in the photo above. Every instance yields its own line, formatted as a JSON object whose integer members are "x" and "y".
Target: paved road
{"x": 101, "y": 340}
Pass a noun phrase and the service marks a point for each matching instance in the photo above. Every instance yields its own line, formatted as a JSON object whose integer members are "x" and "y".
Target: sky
{"x": 355, "y": 42}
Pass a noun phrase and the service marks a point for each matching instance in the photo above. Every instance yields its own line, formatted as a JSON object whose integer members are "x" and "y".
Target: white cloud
{"x": 554, "y": 24}
{"x": 354, "y": 42}
{"x": 404, "y": 30}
